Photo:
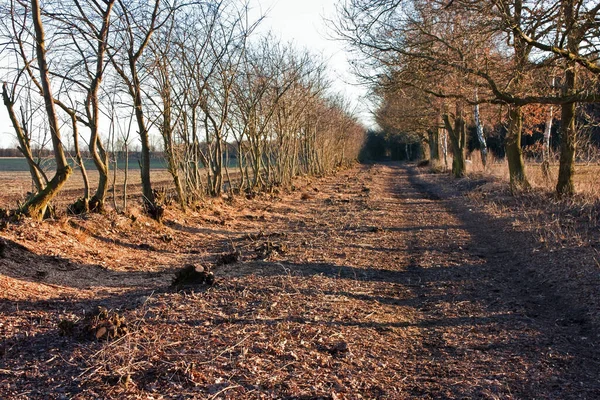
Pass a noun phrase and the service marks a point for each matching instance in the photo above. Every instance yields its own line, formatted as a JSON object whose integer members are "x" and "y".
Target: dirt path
{"x": 371, "y": 284}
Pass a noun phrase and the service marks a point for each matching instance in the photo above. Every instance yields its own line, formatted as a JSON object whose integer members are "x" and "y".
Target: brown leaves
{"x": 105, "y": 324}
{"x": 352, "y": 302}
{"x": 99, "y": 324}
{"x": 268, "y": 248}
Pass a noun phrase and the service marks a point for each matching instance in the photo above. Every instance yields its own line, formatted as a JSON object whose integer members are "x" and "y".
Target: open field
{"x": 587, "y": 175}
{"x": 382, "y": 282}
{"x": 19, "y": 164}
{"x": 15, "y": 185}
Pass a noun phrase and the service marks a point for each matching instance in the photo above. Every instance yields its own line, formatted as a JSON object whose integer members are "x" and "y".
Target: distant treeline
{"x": 43, "y": 153}
{"x": 399, "y": 146}
{"x": 120, "y": 155}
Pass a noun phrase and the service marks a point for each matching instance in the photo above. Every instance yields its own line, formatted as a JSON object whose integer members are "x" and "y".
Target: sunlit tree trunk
{"x": 37, "y": 174}
{"x": 137, "y": 37}
{"x": 546, "y": 145}
{"x": 97, "y": 150}
{"x": 83, "y": 204}
{"x": 36, "y": 206}
{"x": 480, "y": 137}
{"x": 445, "y": 148}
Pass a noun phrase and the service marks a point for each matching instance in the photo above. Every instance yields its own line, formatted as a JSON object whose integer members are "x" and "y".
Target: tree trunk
{"x": 37, "y": 175}
{"x": 480, "y": 137}
{"x": 218, "y": 166}
{"x": 169, "y": 148}
{"x": 173, "y": 167}
{"x": 147, "y": 193}
{"x": 514, "y": 153}
{"x": 445, "y": 149}
{"x": 433, "y": 140}
{"x": 240, "y": 161}
{"x": 125, "y": 177}
{"x": 114, "y": 175}
{"x": 97, "y": 150}
{"x": 568, "y": 132}
{"x": 226, "y": 167}
{"x": 37, "y": 205}
{"x": 82, "y": 205}
{"x": 457, "y": 140}
{"x": 568, "y": 144}
{"x": 100, "y": 158}
{"x": 546, "y": 146}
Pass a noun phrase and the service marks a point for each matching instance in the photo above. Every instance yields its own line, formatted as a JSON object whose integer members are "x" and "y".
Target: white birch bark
{"x": 445, "y": 147}
{"x": 547, "y": 134}
{"x": 479, "y": 129}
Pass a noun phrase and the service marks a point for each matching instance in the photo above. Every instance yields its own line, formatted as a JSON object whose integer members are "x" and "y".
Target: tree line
{"x": 441, "y": 66}
{"x": 110, "y": 72}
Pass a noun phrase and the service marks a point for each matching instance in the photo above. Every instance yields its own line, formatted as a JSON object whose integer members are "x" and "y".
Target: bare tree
{"x": 469, "y": 39}
{"x": 137, "y": 22}
{"x": 26, "y": 32}
{"x": 83, "y": 34}
{"x": 38, "y": 175}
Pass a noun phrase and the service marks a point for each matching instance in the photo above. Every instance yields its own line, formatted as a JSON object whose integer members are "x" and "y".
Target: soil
{"x": 380, "y": 282}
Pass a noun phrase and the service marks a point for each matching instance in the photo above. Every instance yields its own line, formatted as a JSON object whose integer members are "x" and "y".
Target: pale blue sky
{"x": 307, "y": 23}
{"x": 299, "y": 21}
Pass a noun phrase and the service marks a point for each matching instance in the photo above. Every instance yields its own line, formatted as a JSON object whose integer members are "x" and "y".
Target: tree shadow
{"x": 517, "y": 277}
{"x": 511, "y": 299}
{"x": 20, "y": 263}
{"x": 509, "y": 253}
{"x": 58, "y": 355}
{"x": 197, "y": 230}
{"x": 423, "y": 228}
{"x": 118, "y": 242}
{"x": 410, "y": 275}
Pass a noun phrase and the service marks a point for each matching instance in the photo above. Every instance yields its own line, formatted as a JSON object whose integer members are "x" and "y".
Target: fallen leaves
{"x": 379, "y": 293}
{"x": 98, "y": 324}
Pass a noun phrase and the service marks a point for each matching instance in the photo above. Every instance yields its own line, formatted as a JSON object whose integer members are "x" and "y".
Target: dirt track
{"x": 380, "y": 285}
